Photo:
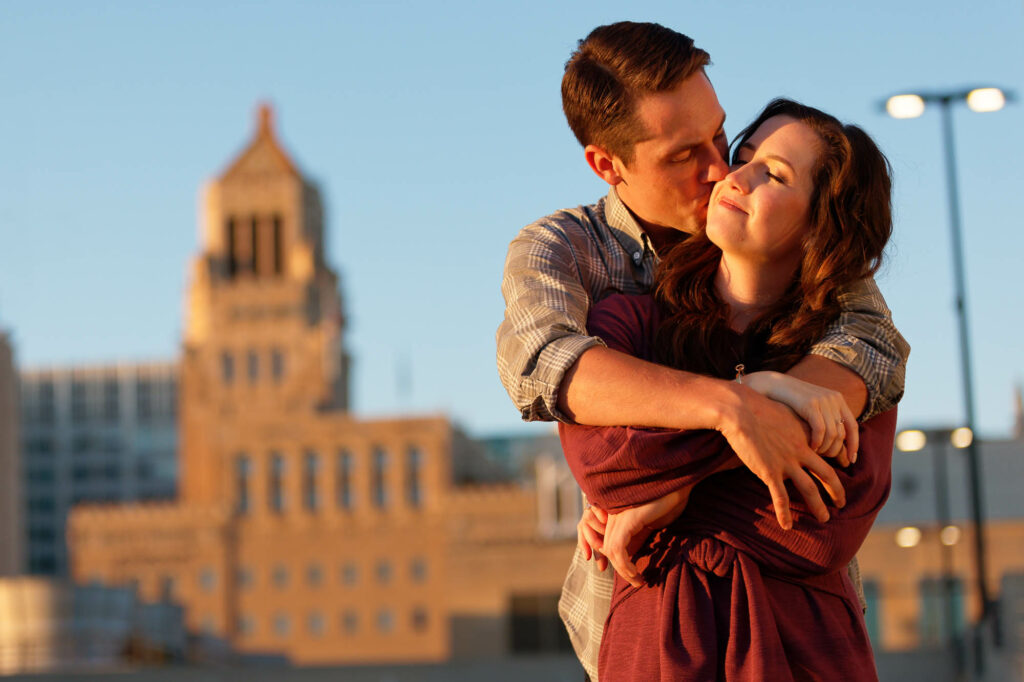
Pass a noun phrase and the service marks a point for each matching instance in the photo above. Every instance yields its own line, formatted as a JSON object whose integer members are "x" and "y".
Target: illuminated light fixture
{"x": 905, "y": 106}
{"x": 950, "y": 535}
{"x": 908, "y": 537}
{"x": 910, "y": 441}
{"x": 962, "y": 437}
{"x": 986, "y": 99}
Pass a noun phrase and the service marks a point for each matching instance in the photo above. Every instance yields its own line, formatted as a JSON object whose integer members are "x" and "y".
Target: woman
{"x": 723, "y": 591}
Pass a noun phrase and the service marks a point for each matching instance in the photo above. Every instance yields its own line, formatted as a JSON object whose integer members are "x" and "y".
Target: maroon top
{"x": 729, "y": 594}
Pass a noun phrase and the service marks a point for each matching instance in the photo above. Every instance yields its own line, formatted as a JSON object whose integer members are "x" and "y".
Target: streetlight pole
{"x": 911, "y": 106}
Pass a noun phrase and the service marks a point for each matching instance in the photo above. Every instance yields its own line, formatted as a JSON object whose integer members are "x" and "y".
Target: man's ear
{"x": 603, "y": 163}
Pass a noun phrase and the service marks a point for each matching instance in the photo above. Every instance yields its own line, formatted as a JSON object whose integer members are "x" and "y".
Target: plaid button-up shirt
{"x": 561, "y": 264}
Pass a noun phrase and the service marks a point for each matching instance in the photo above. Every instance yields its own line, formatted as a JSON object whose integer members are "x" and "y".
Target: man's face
{"x": 681, "y": 156}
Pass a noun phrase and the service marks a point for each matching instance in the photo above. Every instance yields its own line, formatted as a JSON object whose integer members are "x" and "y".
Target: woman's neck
{"x": 750, "y": 288}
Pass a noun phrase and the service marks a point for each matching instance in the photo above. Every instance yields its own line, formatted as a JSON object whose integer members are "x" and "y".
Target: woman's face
{"x": 760, "y": 210}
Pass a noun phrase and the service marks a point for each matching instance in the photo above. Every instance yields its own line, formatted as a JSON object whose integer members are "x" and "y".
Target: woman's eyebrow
{"x": 774, "y": 157}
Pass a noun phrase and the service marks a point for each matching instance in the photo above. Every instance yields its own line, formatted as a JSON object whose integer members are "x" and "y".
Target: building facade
{"x": 11, "y": 536}
{"x": 298, "y": 529}
{"x": 918, "y": 562}
{"x": 93, "y": 434}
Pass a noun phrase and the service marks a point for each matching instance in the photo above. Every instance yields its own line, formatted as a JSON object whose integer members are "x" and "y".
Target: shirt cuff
{"x": 553, "y": 361}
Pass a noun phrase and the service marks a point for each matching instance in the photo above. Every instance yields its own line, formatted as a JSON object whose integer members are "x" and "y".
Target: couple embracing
{"x": 723, "y": 367}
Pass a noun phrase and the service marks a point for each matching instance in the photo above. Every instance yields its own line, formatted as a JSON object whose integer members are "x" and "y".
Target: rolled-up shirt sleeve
{"x": 864, "y": 339}
{"x": 544, "y": 330}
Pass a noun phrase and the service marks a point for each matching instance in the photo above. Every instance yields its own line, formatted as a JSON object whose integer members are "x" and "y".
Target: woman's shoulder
{"x": 626, "y": 322}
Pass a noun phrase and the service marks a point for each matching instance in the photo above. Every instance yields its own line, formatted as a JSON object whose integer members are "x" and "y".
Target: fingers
{"x": 780, "y": 500}
{"x": 620, "y": 531}
{"x": 600, "y": 514}
{"x": 818, "y": 430}
{"x": 843, "y": 458}
{"x": 592, "y": 538}
{"x": 829, "y": 479}
{"x": 852, "y": 435}
{"x": 805, "y": 486}
{"x": 602, "y": 561}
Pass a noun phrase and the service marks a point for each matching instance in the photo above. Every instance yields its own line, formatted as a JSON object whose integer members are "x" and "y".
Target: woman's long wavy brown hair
{"x": 850, "y": 221}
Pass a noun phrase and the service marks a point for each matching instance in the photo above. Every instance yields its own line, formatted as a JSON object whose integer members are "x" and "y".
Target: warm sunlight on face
{"x": 669, "y": 181}
{"x": 759, "y": 212}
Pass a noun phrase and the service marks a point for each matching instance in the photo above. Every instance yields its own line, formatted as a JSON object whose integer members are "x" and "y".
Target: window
{"x": 168, "y": 588}
{"x": 207, "y": 579}
{"x": 278, "y": 244}
{"x": 242, "y": 477}
{"x": 343, "y": 488}
{"x": 253, "y": 366}
{"x": 386, "y": 620}
{"x": 413, "y": 471}
{"x": 871, "y": 615}
{"x": 315, "y": 623}
{"x": 536, "y": 626}
{"x": 419, "y": 619}
{"x": 47, "y": 412}
{"x": 942, "y": 610}
{"x": 280, "y": 576}
{"x": 246, "y": 625}
{"x": 350, "y": 622}
{"x": 144, "y": 400}
{"x": 310, "y": 471}
{"x": 254, "y": 229}
{"x": 79, "y": 406}
{"x": 227, "y": 367}
{"x": 276, "y": 488}
{"x": 418, "y": 570}
{"x": 383, "y": 571}
{"x": 232, "y": 249}
{"x": 111, "y": 400}
{"x": 277, "y": 365}
{"x": 243, "y": 577}
{"x": 314, "y": 575}
{"x": 349, "y": 574}
{"x": 282, "y": 624}
{"x": 380, "y": 465}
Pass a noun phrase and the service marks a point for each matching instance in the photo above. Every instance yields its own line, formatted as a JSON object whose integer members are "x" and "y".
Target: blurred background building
{"x": 92, "y": 434}
{"x": 11, "y": 534}
{"x": 237, "y": 485}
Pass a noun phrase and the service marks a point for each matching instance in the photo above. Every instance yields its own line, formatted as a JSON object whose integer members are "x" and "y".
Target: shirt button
{"x": 637, "y": 256}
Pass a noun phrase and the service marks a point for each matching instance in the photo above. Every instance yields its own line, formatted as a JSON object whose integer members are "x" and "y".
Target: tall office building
{"x": 299, "y": 529}
{"x": 11, "y": 536}
{"x": 101, "y": 433}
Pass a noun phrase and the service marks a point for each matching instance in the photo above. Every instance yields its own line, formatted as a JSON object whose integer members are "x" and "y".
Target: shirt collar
{"x": 626, "y": 228}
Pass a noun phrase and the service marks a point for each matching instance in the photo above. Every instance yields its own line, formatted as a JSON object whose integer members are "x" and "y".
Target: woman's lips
{"x": 724, "y": 201}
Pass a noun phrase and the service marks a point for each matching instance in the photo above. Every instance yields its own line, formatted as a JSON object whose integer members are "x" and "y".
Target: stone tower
{"x": 264, "y": 319}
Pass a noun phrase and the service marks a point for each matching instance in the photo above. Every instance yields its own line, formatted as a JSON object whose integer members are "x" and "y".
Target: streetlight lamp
{"x": 912, "y": 105}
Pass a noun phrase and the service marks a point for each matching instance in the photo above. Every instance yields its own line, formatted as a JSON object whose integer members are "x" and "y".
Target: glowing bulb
{"x": 949, "y": 536}
{"x": 910, "y": 441}
{"x": 905, "y": 106}
{"x": 962, "y": 437}
{"x": 986, "y": 99}
{"x": 908, "y": 537}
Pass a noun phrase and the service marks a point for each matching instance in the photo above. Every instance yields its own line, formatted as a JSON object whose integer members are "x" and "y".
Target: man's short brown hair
{"x": 613, "y": 67}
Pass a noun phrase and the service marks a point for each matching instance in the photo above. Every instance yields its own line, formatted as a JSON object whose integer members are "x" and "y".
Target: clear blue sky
{"x": 435, "y": 132}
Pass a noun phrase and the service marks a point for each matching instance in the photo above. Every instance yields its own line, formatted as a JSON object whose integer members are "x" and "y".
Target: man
{"x": 637, "y": 98}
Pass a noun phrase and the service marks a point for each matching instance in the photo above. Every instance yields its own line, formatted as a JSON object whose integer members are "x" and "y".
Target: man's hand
{"x": 772, "y": 442}
{"x": 590, "y": 535}
{"x": 626, "y": 531}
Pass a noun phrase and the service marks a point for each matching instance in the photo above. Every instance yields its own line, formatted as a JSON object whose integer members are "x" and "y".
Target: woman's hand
{"x": 834, "y": 429}
{"x": 626, "y": 531}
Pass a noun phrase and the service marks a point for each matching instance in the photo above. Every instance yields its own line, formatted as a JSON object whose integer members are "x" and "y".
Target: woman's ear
{"x": 605, "y": 164}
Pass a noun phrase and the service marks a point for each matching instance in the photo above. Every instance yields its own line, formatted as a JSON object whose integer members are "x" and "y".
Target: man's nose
{"x": 717, "y": 167}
